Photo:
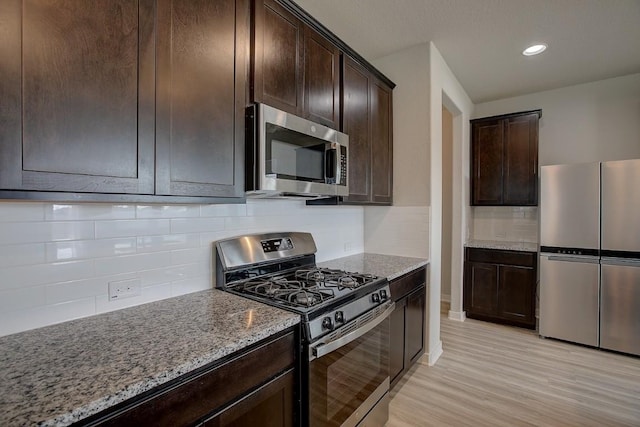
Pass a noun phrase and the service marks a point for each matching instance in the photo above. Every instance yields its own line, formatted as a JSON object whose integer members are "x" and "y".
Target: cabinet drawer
{"x": 497, "y": 256}
{"x": 188, "y": 399}
{"x": 407, "y": 283}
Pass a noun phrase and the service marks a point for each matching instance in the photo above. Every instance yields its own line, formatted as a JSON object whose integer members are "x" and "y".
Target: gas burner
{"x": 348, "y": 282}
{"x": 304, "y": 298}
{"x": 312, "y": 274}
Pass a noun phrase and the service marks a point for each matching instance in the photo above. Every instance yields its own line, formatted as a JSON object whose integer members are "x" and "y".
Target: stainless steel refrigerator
{"x": 590, "y": 254}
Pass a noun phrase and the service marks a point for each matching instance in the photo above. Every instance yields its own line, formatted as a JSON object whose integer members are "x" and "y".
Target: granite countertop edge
{"x": 203, "y": 327}
{"x": 134, "y": 390}
{"x": 382, "y": 265}
{"x": 503, "y": 245}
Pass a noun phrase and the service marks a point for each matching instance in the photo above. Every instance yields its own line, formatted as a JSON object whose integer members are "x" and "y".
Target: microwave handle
{"x": 331, "y": 163}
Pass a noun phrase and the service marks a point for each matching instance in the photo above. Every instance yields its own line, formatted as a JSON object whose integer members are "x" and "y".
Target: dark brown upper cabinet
{"x": 504, "y": 160}
{"x": 201, "y": 96}
{"x": 367, "y": 118}
{"x": 123, "y": 98}
{"x": 77, "y": 96}
{"x": 321, "y": 79}
{"x": 295, "y": 68}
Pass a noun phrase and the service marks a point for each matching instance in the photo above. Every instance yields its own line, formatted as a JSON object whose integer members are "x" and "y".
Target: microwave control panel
{"x": 343, "y": 166}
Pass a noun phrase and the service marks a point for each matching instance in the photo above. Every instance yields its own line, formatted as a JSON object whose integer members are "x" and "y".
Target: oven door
{"x": 349, "y": 373}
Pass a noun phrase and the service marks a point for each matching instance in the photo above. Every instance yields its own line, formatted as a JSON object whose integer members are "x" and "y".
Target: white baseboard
{"x": 445, "y": 298}
{"x": 460, "y": 316}
{"x": 435, "y": 354}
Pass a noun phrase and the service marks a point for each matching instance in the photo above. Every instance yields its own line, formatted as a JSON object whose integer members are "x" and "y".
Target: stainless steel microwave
{"x": 288, "y": 156}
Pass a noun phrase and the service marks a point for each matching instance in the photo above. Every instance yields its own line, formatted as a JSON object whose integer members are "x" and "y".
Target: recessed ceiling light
{"x": 534, "y": 49}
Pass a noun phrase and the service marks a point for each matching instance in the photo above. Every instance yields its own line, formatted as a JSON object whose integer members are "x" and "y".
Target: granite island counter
{"x": 60, "y": 374}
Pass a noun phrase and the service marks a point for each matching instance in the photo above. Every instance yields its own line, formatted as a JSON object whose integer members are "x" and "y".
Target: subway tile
{"x": 35, "y": 317}
{"x": 76, "y": 289}
{"x": 190, "y": 285}
{"x": 40, "y": 274}
{"x": 11, "y": 211}
{"x": 208, "y": 239}
{"x": 188, "y": 256}
{"x": 273, "y": 207}
{"x": 167, "y": 242}
{"x": 78, "y": 249}
{"x": 25, "y": 254}
{"x": 21, "y": 298}
{"x": 195, "y": 225}
{"x": 88, "y": 211}
{"x": 137, "y": 227}
{"x": 131, "y": 263}
{"x": 31, "y": 232}
{"x": 167, "y": 211}
{"x": 223, "y": 210}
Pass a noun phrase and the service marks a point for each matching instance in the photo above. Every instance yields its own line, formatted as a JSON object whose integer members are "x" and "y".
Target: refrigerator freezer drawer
{"x": 620, "y": 308}
{"x": 569, "y": 293}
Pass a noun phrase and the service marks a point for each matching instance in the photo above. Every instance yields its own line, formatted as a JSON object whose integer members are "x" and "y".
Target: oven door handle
{"x": 322, "y": 349}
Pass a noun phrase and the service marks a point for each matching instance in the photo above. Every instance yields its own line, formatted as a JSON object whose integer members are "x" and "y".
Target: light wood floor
{"x": 492, "y": 375}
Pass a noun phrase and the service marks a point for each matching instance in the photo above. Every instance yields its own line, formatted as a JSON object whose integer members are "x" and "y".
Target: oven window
{"x": 341, "y": 381}
{"x": 293, "y": 155}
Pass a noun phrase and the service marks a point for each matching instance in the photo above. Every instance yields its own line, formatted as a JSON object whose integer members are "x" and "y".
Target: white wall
{"x": 56, "y": 259}
{"x": 424, "y": 84}
{"x": 447, "y": 202}
{"x": 590, "y": 122}
{"x": 447, "y": 91}
{"x": 403, "y": 229}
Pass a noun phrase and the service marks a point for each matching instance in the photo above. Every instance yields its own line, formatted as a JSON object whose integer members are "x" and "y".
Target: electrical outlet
{"x": 120, "y": 289}
{"x": 347, "y": 247}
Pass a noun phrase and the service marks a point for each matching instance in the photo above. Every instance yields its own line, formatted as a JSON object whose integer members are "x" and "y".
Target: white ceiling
{"x": 482, "y": 40}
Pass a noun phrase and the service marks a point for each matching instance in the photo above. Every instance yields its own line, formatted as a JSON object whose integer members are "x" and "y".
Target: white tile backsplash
{"x": 27, "y": 232}
{"x": 505, "y": 223}
{"x": 56, "y": 259}
{"x": 397, "y": 230}
{"x": 136, "y": 227}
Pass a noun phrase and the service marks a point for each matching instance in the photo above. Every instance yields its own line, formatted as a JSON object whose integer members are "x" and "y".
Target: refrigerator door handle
{"x": 625, "y": 262}
{"x": 581, "y": 259}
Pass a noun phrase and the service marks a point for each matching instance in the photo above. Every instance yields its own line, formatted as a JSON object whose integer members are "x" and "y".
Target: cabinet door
{"x": 77, "y": 94}
{"x": 356, "y": 123}
{"x": 322, "y": 79}
{"x": 278, "y": 57}
{"x": 521, "y": 160}
{"x": 480, "y": 289}
{"x": 516, "y": 294}
{"x": 414, "y": 325}
{"x": 487, "y": 157}
{"x": 202, "y": 71}
{"x": 397, "y": 341}
{"x": 381, "y": 144}
{"x": 272, "y": 405}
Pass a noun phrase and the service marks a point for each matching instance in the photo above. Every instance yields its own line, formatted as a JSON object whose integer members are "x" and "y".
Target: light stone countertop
{"x": 509, "y": 246}
{"x": 389, "y": 266}
{"x": 57, "y": 375}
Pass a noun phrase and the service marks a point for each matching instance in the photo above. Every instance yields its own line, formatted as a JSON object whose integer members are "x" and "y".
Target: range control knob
{"x": 383, "y": 294}
{"x": 339, "y": 317}
{"x": 375, "y": 297}
{"x": 327, "y": 323}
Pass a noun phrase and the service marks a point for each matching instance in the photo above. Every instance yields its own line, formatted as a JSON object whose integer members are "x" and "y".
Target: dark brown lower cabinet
{"x": 500, "y": 286}
{"x": 407, "y": 323}
{"x": 254, "y": 387}
{"x": 269, "y": 406}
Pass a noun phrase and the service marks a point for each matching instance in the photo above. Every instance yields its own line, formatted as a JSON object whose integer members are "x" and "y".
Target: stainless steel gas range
{"x": 344, "y": 319}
